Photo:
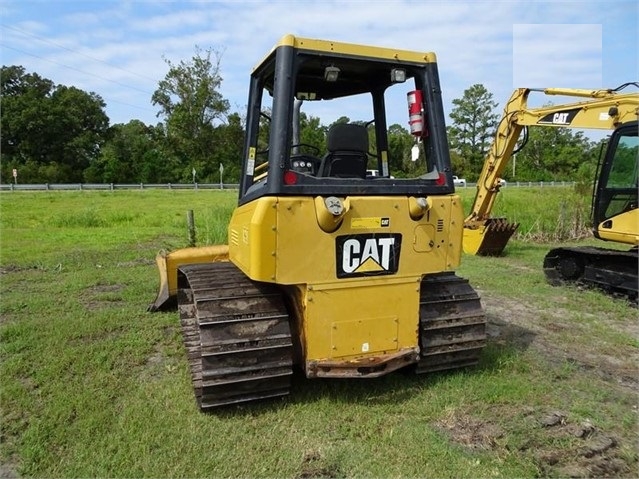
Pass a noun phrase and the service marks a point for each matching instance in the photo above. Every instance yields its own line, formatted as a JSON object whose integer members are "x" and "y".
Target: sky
{"x": 119, "y": 48}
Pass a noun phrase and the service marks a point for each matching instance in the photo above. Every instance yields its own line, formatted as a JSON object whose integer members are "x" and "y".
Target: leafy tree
{"x": 457, "y": 163}
{"x": 400, "y": 142}
{"x": 80, "y": 125}
{"x": 22, "y": 94}
{"x": 584, "y": 179}
{"x": 342, "y": 119}
{"x": 472, "y": 130}
{"x": 49, "y": 133}
{"x": 623, "y": 173}
{"x": 229, "y": 141}
{"x": 132, "y": 153}
{"x": 312, "y": 132}
{"x": 192, "y": 106}
{"x": 554, "y": 154}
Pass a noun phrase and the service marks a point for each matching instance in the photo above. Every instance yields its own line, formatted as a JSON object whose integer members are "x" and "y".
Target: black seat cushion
{"x": 347, "y": 145}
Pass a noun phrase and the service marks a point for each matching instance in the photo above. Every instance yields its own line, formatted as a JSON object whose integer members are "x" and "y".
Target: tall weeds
{"x": 545, "y": 214}
{"x": 572, "y": 223}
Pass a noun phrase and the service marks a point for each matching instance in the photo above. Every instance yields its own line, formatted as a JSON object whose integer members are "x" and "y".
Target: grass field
{"x": 93, "y": 386}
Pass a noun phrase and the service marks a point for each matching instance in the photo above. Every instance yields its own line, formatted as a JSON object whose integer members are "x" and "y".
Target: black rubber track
{"x": 613, "y": 271}
{"x": 452, "y": 323}
{"x": 236, "y": 333}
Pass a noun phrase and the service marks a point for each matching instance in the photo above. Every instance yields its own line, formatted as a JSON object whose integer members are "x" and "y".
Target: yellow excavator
{"x": 615, "y": 216}
{"x": 329, "y": 269}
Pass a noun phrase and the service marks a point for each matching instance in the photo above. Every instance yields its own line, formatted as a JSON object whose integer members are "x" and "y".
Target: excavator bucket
{"x": 168, "y": 264}
{"x": 488, "y": 238}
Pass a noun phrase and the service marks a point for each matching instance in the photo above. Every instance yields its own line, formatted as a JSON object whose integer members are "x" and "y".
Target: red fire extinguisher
{"x": 415, "y": 114}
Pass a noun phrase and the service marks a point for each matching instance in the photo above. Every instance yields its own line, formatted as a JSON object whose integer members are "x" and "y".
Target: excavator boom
{"x": 604, "y": 109}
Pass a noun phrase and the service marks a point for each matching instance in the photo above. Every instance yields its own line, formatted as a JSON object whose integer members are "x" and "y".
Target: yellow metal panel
{"x": 306, "y": 254}
{"x": 253, "y": 233}
{"x": 623, "y": 228}
{"x": 363, "y": 336}
{"x": 168, "y": 264}
{"x": 454, "y": 211}
{"x": 179, "y": 257}
{"x": 279, "y": 239}
{"x": 358, "y": 50}
{"x": 371, "y": 311}
{"x": 425, "y": 237}
{"x": 360, "y": 318}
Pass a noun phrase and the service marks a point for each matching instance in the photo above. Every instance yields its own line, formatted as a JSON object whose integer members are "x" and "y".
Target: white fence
{"x": 113, "y": 186}
{"x": 205, "y": 186}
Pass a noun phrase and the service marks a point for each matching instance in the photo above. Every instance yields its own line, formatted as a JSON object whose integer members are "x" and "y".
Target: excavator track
{"x": 452, "y": 324}
{"x": 236, "y": 333}
{"x": 613, "y": 271}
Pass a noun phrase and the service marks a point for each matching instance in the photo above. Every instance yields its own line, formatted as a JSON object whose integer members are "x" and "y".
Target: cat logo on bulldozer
{"x": 367, "y": 254}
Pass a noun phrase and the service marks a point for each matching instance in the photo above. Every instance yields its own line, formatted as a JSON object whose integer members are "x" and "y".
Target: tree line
{"x": 61, "y": 134}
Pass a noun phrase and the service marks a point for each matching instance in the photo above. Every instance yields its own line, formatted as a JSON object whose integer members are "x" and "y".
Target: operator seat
{"x": 347, "y": 157}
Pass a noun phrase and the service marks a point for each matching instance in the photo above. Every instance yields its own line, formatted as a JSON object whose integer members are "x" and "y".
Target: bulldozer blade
{"x": 168, "y": 264}
{"x": 488, "y": 238}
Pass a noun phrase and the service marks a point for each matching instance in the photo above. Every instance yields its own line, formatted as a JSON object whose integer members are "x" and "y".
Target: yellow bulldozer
{"x": 614, "y": 212}
{"x": 329, "y": 269}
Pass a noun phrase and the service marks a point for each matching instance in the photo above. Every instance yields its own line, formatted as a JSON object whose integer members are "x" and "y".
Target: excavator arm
{"x": 604, "y": 109}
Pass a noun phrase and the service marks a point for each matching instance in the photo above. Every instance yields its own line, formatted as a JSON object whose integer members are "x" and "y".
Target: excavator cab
{"x": 615, "y": 218}
{"x": 327, "y": 269}
{"x": 614, "y": 209}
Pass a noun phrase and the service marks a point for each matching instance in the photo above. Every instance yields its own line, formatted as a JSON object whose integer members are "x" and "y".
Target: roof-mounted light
{"x": 398, "y": 75}
{"x": 331, "y": 73}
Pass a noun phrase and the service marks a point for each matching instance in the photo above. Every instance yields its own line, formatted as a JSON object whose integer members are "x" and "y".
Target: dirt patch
{"x": 580, "y": 450}
{"x": 12, "y": 268}
{"x": 522, "y": 326}
{"x": 559, "y": 445}
{"x": 470, "y": 432}
{"x": 9, "y": 471}
{"x": 315, "y": 465}
{"x": 157, "y": 365}
{"x": 590, "y": 452}
{"x": 161, "y": 361}
{"x": 105, "y": 288}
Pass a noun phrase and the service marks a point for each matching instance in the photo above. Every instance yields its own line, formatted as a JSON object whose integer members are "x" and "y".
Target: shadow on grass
{"x": 505, "y": 342}
{"x": 504, "y": 339}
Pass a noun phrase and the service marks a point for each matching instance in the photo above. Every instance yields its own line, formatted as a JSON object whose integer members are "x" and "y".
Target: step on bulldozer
{"x": 329, "y": 269}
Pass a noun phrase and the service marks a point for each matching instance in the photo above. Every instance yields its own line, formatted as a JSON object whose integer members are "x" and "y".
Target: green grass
{"x": 549, "y": 213}
{"x": 93, "y": 386}
{"x": 77, "y": 224}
